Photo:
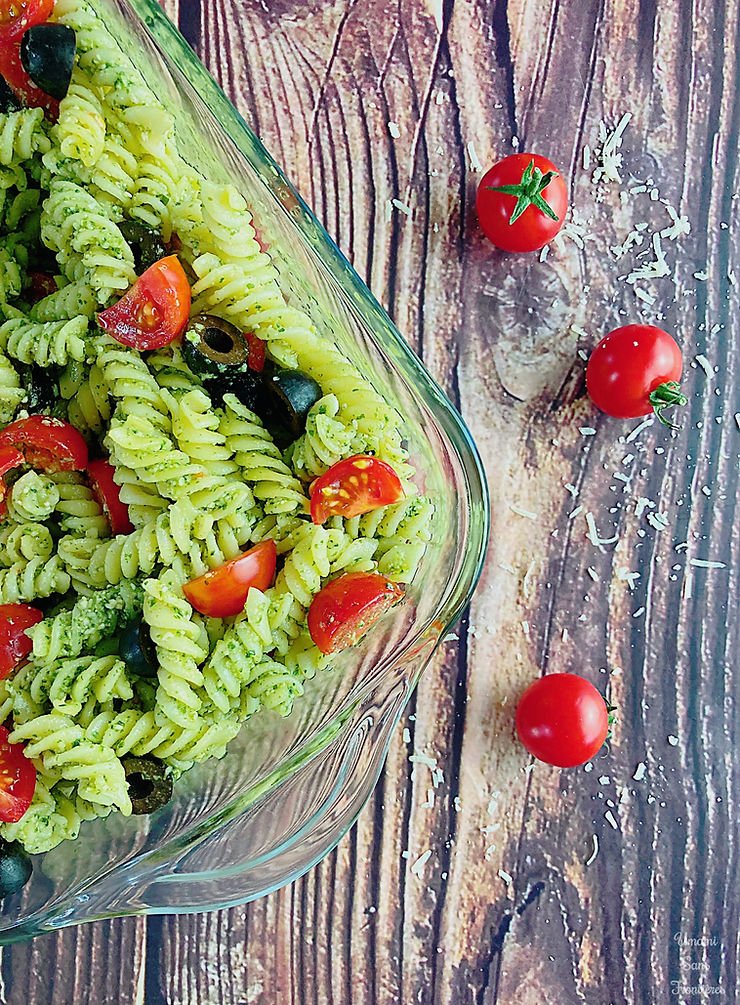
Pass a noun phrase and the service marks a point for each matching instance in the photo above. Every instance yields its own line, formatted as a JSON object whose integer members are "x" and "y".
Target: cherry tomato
{"x": 634, "y": 371}
{"x": 347, "y": 607}
{"x": 100, "y": 475}
{"x": 42, "y": 285}
{"x": 154, "y": 311}
{"x": 223, "y": 592}
{"x": 562, "y": 719}
{"x": 353, "y": 486}
{"x": 15, "y": 645}
{"x": 15, "y": 18}
{"x": 17, "y": 779}
{"x": 521, "y": 202}
{"x": 47, "y": 443}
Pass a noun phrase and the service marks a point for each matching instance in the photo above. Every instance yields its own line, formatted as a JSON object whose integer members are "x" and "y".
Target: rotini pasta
{"x": 122, "y": 663}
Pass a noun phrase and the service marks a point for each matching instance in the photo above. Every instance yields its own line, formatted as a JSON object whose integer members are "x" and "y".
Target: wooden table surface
{"x": 617, "y": 883}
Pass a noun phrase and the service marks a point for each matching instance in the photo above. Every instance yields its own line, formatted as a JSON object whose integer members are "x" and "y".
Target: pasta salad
{"x": 202, "y": 499}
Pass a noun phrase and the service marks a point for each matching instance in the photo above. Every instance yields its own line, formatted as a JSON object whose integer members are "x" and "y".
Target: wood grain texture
{"x": 506, "y": 909}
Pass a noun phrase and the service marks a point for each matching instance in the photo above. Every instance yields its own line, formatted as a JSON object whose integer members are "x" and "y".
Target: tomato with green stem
{"x": 634, "y": 371}
{"x": 154, "y": 311}
{"x": 562, "y": 719}
{"x": 521, "y": 202}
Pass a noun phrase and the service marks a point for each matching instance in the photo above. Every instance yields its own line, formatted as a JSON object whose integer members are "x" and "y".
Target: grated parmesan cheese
{"x": 506, "y": 877}
{"x": 704, "y": 363}
{"x": 402, "y": 207}
{"x": 394, "y": 130}
{"x": 418, "y": 867}
{"x": 609, "y": 817}
{"x": 475, "y": 164}
{"x": 639, "y": 772}
{"x": 522, "y": 512}
{"x": 607, "y": 156}
{"x": 594, "y": 853}
{"x": 659, "y": 521}
{"x": 651, "y": 270}
{"x": 701, "y": 563}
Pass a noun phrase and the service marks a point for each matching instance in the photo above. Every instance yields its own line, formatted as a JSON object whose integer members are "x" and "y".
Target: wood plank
{"x": 506, "y": 908}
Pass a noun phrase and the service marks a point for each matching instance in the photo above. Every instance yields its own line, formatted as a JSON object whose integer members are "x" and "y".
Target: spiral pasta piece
{"x": 81, "y": 512}
{"x": 88, "y": 403}
{"x": 50, "y": 819}
{"x": 45, "y": 343}
{"x": 71, "y": 301}
{"x": 195, "y": 427}
{"x": 325, "y": 440}
{"x": 62, "y": 747}
{"x": 11, "y": 392}
{"x": 172, "y": 372}
{"x": 87, "y": 243}
{"x": 155, "y": 193}
{"x": 67, "y": 684}
{"x": 11, "y": 282}
{"x": 80, "y": 129}
{"x": 247, "y": 438}
{"x": 33, "y": 498}
{"x": 20, "y": 542}
{"x": 131, "y": 383}
{"x": 180, "y": 648}
{"x": 22, "y": 135}
{"x": 38, "y": 577}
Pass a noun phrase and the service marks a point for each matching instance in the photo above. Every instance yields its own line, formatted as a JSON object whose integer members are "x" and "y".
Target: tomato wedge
{"x": 15, "y": 18}
{"x": 256, "y": 357}
{"x": 223, "y": 592}
{"x": 9, "y": 458}
{"x": 47, "y": 443}
{"x": 353, "y": 486}
{"x": 100, "y": 475}
{"x": 154, "y": 311}
{"x": 15, "y": 645}
{"x": 17, "y": 779}
{"x": 347, "y": 607}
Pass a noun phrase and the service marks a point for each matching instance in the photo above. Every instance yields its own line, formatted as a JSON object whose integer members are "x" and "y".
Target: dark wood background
{"x": 511, "y": 906}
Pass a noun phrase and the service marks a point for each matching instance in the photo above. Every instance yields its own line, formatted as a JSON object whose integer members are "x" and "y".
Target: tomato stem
{"x": 611, "y": 719}
{"x": 529, "y": 192}
{"x": 666, "y": 396}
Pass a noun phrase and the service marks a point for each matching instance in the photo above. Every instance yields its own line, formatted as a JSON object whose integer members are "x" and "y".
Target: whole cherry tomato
{"x": 562, "y": 719}
{"x": 634, "y": 371}
{"x": 521, "y": 202}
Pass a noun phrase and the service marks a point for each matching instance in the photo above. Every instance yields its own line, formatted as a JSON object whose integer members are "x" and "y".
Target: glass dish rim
{"x": 459, "y": 589}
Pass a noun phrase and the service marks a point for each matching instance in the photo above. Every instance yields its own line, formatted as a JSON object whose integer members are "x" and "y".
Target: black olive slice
{"x": 15, "y": 867}
{"x": 288, "y": 396}
{"x": 48, "y": 55}
{"x": 136, "y": 649}
{"x": 149, "y": 785}
{"x": 213, "y": 347}
{"x": 146, "y": 244}
{"x": 246, "y": 385}
{"x": 8, "y": 101}
{"x": 42, "y": 390}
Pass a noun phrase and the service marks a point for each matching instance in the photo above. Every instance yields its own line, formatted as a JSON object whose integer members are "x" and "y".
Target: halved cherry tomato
{"x": 17, "y": 779}
{"x": 15, "y": 645}
{"x": 223, "y": 592}
{"x": 9, "y": 458}
{"x": 42, "y": 285}
{"x": 562, "y": 719}
{"x": 256, "y": 357}
{"x": 634, "y": 371}
{"x": 353, "y": 486}
{"x": 100, "y": 475}
{"x": 47, "y": 443}
{"x": 521, "y": 202}
{"x": 154, "y": 311}
{"x": 15, "y": 18}
{"x": 347, "y": 607}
